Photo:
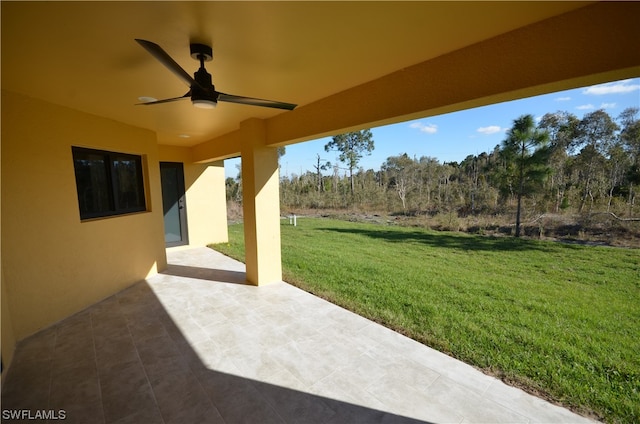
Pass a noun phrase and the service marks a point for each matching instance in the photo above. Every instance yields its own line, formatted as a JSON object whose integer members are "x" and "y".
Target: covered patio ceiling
{"x": 346, "y": 64}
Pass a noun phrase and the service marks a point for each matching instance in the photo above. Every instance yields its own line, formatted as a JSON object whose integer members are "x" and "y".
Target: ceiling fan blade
{"x": 255, "y": 102}
{"x": 173, "y": 99}
{"x": 164, "y": 58}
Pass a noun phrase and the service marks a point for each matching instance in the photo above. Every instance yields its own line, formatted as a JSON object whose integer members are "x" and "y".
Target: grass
{"x": 559, "y": 320}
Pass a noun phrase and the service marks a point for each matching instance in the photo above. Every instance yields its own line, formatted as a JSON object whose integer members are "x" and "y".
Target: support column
{"x": 261, "y": 204}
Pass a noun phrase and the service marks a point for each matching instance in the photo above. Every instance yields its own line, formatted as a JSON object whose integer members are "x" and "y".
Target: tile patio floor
{"x": 196, "y": 345}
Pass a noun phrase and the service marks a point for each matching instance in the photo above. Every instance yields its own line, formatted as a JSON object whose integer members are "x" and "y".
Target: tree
{"x": 630, "y": 133}
{"x": 526, "y": 148}
{"x": 351, "y": 146}
{"x": 429, "y": 170}
{"x": 319, "y": 167}
{"x": 630, "y": 138}
{"x": 470, "y": 171}
{"x": 400, "y": 169}
{"x": 595, "y": 133}
{"x": 561, "y": 127}
{"x": 617, "y": 161}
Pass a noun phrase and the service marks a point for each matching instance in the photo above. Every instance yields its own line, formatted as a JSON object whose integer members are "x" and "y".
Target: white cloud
{"x": 491, "y": 129}
{"x": 425, "y": 128}
{"x": 607, "y": 105}
{"x": 620, "y": 87}
{"x": 562, "y": 99}
{"x": 586, "y": 107}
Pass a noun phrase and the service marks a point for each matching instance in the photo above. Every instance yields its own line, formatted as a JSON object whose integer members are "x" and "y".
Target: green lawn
{"x": 558, "y": 319}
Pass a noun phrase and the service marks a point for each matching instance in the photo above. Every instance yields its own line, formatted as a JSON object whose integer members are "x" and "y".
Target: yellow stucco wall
{"x": 8, "y": 339}
{"x": 205, "y": 196}
{"x": 206, "y": 204}
{"x": 52, "y": 263}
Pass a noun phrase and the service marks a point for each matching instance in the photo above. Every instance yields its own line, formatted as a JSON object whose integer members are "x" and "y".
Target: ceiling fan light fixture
{"x": 147, "y": 99}
{"x": 204, "y": 103}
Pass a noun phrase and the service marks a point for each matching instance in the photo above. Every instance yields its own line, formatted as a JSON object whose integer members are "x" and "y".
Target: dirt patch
{"x": 594, "y": 230}
{"x": 600, "y": 229}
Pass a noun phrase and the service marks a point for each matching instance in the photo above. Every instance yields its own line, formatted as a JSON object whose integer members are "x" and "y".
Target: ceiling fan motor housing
{"x": 203, "y": 50}
{"x": 204, "y": 89}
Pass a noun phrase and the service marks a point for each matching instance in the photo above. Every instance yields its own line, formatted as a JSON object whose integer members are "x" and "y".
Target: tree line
{"x": 558, "y": 164}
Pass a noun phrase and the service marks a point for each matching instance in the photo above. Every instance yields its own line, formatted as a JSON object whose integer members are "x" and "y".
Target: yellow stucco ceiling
{"x": 83, "y": 55}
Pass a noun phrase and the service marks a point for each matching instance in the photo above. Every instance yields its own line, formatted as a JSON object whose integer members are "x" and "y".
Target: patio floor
{"x": 196, "y": 345}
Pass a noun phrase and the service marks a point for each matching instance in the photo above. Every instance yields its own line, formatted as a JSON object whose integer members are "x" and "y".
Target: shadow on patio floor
{"x": 125, "y": 360}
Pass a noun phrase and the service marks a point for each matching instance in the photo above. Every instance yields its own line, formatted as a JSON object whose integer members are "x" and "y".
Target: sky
{"x": 454, "y": 136}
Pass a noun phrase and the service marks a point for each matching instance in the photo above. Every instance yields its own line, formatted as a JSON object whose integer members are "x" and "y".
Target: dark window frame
{"x": 114, "y": 201}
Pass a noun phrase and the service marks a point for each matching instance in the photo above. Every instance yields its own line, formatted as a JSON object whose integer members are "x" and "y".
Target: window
{"x": 108, "y": 183}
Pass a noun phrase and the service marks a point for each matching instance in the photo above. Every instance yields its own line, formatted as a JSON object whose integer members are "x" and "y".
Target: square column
{"x": 261, "y": 204}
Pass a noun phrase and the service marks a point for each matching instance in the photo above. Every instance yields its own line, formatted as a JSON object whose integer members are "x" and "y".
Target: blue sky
{"x": 454, "y": 136}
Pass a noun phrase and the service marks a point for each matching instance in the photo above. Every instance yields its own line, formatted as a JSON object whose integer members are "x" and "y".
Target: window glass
{"x": 108, "y": 183}
{"x": 128, "y": 181}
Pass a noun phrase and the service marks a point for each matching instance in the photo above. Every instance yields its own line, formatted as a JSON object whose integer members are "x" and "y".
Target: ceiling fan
{"x": 202, "y": 92}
